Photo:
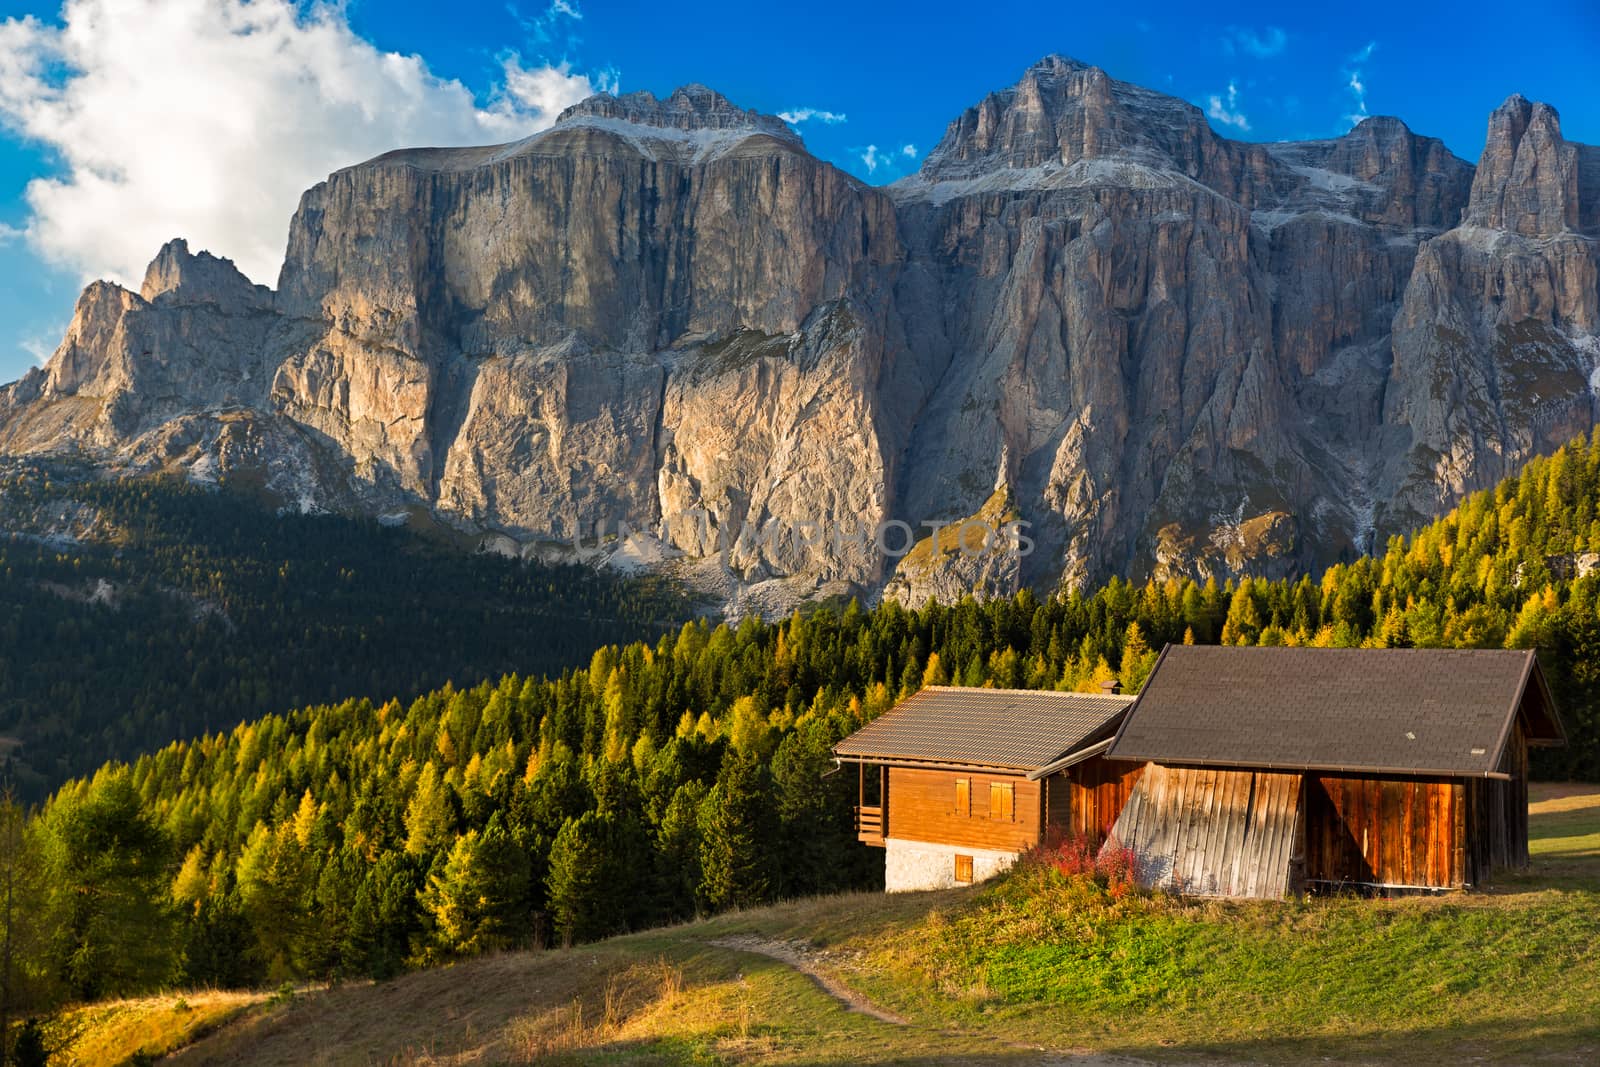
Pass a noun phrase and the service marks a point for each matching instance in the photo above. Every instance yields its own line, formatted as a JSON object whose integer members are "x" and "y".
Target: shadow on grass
{"x": 1562, "y": 1041}
{"x": 1574, "y": 1042}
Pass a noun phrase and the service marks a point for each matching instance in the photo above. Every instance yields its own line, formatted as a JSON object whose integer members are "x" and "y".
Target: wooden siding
{"x": 1508, "y": 814}
{"x": 922, "y": 807}
{"x": 1389, "y": 832}
{"x": 1211, "y": 832}
{"x": 1497, "y": 813}
{"x": 1085, "y": 799}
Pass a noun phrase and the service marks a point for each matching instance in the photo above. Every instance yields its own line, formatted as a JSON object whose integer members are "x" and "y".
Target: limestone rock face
{"x": 1167, "y": 335}
{"x": 1527, "y": 180}
{"x": 196, "y": 341}
{"x": 661, "y": 332}
{"x": 1497, "y": 343}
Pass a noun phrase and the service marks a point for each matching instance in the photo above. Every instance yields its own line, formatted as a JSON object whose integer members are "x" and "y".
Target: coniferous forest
{"x": 685, "y": 774}
{"x": 137, "y": 612}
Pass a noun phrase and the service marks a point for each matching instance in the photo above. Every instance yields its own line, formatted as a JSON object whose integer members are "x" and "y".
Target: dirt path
{"x": 803, "y": 958}
{"x": 807, "y": 960}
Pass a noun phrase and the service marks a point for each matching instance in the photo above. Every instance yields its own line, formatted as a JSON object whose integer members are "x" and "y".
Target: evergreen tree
{"x": 479, "y": 899}
{"x": 106, "y": 861}
{"x": 385, "y": 918}
{"x": 587, "y": 883}
{"x": 219, "y": 946}
{"x": 26, "y": 921}
{"x": 817, "y": 845}
{"x": 677, "y": 854}
{"x": 738, "y": 836}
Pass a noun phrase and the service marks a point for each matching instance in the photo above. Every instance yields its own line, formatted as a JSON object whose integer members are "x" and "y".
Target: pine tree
{"x": 385, "y": 918}
{"x": 27, "y": 918}
{"x": 107, "y": 864}
{"x": 817, "y": 849}
{"x": 479, "y": 898}
{"x": 585, "y": 885}
{"x": 677, "y": 853}
{"x": 738, "y": 835}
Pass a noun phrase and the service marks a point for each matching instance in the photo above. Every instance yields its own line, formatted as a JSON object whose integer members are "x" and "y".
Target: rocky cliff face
{"x": 662, "y": 333}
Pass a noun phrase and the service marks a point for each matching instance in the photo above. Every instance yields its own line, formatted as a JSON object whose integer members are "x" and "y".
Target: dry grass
{"x": 115, "y": 1031}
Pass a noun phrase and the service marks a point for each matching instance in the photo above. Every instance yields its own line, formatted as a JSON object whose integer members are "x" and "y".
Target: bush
{"x": 1100, "y": 859}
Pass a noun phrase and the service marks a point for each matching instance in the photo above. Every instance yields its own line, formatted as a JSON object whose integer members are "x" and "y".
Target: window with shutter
{"x": 963, "y": 796}
{"x": 963, "y": 870}
{"x": 1000, "y": 801}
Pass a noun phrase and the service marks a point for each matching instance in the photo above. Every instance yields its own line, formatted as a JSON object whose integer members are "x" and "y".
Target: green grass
{"x": 993, "y": 975}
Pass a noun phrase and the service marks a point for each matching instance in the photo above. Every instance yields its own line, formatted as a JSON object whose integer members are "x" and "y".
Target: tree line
{"x": 677, "y": 777}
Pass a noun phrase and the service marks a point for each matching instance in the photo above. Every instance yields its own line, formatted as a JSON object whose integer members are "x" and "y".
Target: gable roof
{"x": 1022, "y": 730}
{"x": 1444, "y": 712}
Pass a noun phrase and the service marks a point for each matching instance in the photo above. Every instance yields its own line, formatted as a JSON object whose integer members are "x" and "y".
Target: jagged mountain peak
{"x": 690, "y": 108}
{"x": 1177, "y": 352}
{"x": 692, "y": 123}
{"x": 178, "y": 275}
{"x": 1531, "y": 181}
{"x": 1056, "y": 65}
{"x": 1062, "y": 111}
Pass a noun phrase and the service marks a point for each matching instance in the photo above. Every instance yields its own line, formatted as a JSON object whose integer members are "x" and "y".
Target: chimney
{"x": 1111, "y": 687}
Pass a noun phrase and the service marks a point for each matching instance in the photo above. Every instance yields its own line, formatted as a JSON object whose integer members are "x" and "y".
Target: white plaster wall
{"x": 913, "y": 865}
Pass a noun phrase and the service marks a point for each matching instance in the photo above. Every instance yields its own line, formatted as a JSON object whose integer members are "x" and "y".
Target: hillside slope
{"x": 140, "y": 611}
{"x": 689, "y": 776}
{"x": 1179, "y": 354}
{"x": 1039, "y": 968}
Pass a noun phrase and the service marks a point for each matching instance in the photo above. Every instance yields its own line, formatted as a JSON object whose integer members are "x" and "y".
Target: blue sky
{"x": 204, "y": 118}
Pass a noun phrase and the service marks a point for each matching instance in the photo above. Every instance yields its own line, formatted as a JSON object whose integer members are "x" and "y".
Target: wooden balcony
{"x": 869, "y": 825}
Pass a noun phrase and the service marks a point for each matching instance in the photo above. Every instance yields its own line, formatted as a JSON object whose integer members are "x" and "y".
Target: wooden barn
{"x": 1275, "y": 770}
{"x": 956, "y": 783}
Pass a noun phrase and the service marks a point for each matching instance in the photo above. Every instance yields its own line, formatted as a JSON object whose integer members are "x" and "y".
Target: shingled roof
{"x": 1004, "y": 729}
{"x": 1444, "y": 712}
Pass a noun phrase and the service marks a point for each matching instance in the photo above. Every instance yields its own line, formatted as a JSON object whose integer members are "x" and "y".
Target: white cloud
{"x": 873, "y": 158}
{"x": 795, "y": 116}
{"x": 1226, "y": 110}
{"x": 553, "y": 25}
{"x": 11, "y": 233}
{"x": 42, "y": 345}
{"x": 1263, "y": 45}
{"x": 206, "y": 119}
{"x": 1356, "y": 85}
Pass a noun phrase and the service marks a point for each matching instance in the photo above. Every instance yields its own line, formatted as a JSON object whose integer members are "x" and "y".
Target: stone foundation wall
{"x": 913, "y": 865}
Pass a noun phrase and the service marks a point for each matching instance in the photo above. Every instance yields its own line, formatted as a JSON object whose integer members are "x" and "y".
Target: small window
{"x": 963, "y": 870}
{"x": 1000, "y": 801}
{"x": 963, "y": 796}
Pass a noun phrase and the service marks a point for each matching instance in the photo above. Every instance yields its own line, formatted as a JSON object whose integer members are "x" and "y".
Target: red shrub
{"x": 1105, "y": 860}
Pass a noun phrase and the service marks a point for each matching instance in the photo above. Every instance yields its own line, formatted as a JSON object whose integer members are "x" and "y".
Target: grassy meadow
{"x": 1035, "y": 967}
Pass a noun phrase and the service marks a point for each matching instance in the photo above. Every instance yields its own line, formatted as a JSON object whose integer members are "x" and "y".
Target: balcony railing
{"x": 869, "y": 825}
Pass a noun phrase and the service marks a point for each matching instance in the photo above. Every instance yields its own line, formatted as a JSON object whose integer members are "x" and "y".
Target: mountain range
{"x": 661, "y": 330}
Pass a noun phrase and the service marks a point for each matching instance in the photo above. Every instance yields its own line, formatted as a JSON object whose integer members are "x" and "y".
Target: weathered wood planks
{"x": 1211, "y": 832}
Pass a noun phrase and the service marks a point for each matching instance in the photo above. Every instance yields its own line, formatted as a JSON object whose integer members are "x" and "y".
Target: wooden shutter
{"x": 1000, "y": 801}
{"x": 963, "y": 796}
{"x": 963, "y": 870}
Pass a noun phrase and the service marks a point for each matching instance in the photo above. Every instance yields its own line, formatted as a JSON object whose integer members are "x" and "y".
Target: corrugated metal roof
{"x": 1397, "y": 711}
{"x": 1015, "y": 729}
{"x": 1211, "y": 832}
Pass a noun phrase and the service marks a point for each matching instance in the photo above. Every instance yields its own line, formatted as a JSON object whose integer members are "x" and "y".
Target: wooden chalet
{"x": 956, "y": 783}
{"x": 1272, "y": 770}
